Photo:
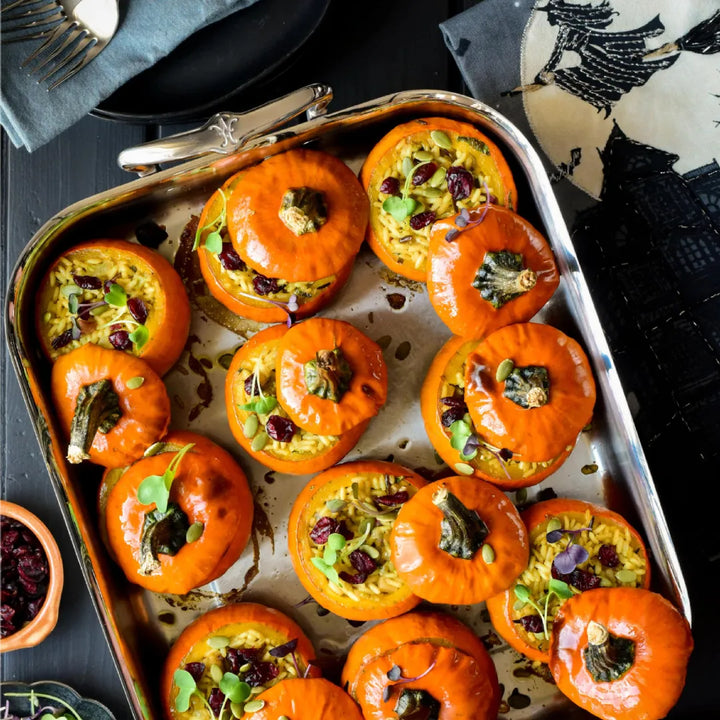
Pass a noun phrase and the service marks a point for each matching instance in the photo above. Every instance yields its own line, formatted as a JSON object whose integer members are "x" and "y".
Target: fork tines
{"x": 30, "y": 19}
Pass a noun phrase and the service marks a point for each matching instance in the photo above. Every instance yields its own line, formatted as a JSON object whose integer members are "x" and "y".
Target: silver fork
{"x": 86, "y": 29}
{"x": 30, "y": 19}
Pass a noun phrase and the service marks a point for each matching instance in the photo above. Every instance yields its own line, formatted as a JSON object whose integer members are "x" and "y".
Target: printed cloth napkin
{"x": 622, "y": 100}
{"x": 148, "y": 30}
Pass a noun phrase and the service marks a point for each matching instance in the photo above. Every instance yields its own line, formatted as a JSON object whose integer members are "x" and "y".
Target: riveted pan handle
{"x": 225, "y": 133}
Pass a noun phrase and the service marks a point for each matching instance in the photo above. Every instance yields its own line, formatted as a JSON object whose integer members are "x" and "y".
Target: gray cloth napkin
{"x": 148, "y": 31}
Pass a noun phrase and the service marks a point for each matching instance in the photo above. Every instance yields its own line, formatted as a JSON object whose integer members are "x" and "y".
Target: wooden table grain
{"x": 363, "y": 51}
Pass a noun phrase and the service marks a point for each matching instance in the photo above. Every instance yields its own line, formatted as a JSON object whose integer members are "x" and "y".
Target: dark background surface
{"x": 362, "y": 51}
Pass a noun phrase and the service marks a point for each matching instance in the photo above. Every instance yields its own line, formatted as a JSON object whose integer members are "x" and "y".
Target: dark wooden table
{"x": 362, "y": 51}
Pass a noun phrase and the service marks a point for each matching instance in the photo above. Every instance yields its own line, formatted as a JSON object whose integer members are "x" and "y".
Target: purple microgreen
{"x": 471, "y": 447}
{"x": 462, "y": 431}
{"x": 76, "y": 331}
{"x": 451, "y": 234}
{"x": 567, "y": 560}
{"x": 284, "y": 649}
{"x": 500, "y": 455}
{"x": 305, "y": 601}
{"x": 396, "y": 678}
{"x": 156, "y": 488}
{"x": 555, "y": 533}
{"x": 395, "y": 673}
{"x": 307, "y": 669}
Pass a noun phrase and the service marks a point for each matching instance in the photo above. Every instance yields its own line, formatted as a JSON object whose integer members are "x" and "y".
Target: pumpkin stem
{"x": 462, "y": 531}
{"x": 607, "y": 657}
{"x": 415, "y": 704}
{"x": 163, "y": 532}
{"x": 97, "y": 409}
{"x": 502, "y": 277}
{"x": 303, "y": 210}
{"x": 528, "y": 387}
{"x": 329, "y": 375}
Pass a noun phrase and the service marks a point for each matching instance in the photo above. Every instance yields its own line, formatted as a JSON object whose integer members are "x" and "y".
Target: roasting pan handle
{"x": 225, "y": 133}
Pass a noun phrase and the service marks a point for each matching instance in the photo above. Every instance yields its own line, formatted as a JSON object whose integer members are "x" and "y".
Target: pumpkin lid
{"x": 580, "y": 546}
{"x": 529, "y": 389}
{"x": 261, "y": 424}
{"x": 452, "y": 431}
{"x": 621, "y": 653}
{"x": 255, "y": 643}
{"x": 338, "y": 535}
{"x": 459, "y": 540}
{"x": 420, "y": 172}
{"x": 488, "y": 268}
{"x": 117, "y": 294}
{"x": 299, "y": 215}
{"x": 330, "y": 376}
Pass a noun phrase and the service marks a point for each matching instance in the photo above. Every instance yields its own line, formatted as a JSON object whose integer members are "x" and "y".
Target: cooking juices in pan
{"x": 502, "y": 399}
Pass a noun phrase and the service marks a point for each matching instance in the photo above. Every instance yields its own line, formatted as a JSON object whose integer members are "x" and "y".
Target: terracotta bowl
{"x": 43, "y": 623}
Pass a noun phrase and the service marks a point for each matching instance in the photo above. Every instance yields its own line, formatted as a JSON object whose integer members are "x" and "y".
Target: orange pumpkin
{"x": 330, "y": 376}
{"x": 518, "y": 622}
{"x": 300, "y": 453}
{"x": 299, "y": 215}
{"x": 116, "y": 294}
{"x": 529, "y": 388}
{"x": 459, "y": 540}
{"x": 442, "y": 403}
{"x": 352, "y": 500}
{"x": 246, "y": 632}
{"x": 408, "y": 195}
{"x": 111, "y": 405}
{"x": 494, "y": 270}
{"x": 621, "y": 653}
{"x": 305, "y": 700}
{"x": 192, "y": 534}
{"x": 429, "y": 658}
{"x": 244, "y": 291}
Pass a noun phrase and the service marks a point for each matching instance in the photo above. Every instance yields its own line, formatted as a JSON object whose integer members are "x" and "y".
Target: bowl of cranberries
{"x": 32, "y": 578}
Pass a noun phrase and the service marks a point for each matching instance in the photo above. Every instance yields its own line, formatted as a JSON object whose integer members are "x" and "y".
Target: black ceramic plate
{"x": 203, "y": 73}
{"x": 17, "y": 695}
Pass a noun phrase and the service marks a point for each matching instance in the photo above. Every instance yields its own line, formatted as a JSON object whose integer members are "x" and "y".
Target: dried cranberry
{"x": 364, "y": 565}
{"x": 215, "y": 700}
{"x": 261, "y": 673}
{"x": 137, "y": 309}
{"x": 452, "y": 415}
{"x": 120, "y": 339}
{"x": 280, "y": 428}
{"x": 325, "y": 527}
{"x": 265, "y": 285}
{"x": 62, "y": 340}
{"x": 454, "y": 401}
{"x": 237, "y": 657}
{"x": 531, "y": 623}
{"x": 505, "y": 454}
{"x": 33, "y": 607}
{"x": 419, "y": 221}
{"x": 580, "y": 579}
{"x": 390, "y": 186}
{"x": 424, "y": 173}
{"x": 229, "y": 258}
{"x": 196, "y": 669}
{"x": 33, "y": 567}
{"x": 607, "y": 554}
{"x": 397, "y": 498}
{"x": 88, "y": 282}
{"x": 460, "y": 182}
{"x": 252, "y": 385}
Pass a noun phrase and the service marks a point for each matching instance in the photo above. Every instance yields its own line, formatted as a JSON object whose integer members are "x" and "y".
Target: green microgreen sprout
{"x": 213, "y": 241}
{"x": 334, "y": 544}
{"x": 49, "y": 712}
{"x": 156, "y": 488}
{"x": 262, "y": 406}
{"x": 404, "y": 206}
{"x": 139, "y": 336}
{"x": 116, "y": 296}
{"x": 555, "y": 587}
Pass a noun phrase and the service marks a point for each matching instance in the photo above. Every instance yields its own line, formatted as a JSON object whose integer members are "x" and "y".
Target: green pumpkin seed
{"x": 424, "y": 156}
{"x": 99, "y": 310}
{"x": 218, "y": 641}
{"x": 254, "y": 705}
{"x": 259, "y": 441}
{"x": 464, "y": 468}
{"x": 589, "y": 469}
{"x": 605, "y": 582}
{"x": 374, "y": 553}
{"x": 71, "y": 289}
{"x": 283, "y": 717}
{"x": 554, "y": 524}
{"x": 194, "y": 532}
{"x": 441, "y": 139}
{"x": 431, "y": 192}
{"x": 488, "y": 554}
{"x": 437, "y": 177}
{"x": 135, "y": 382}
{"x": 47, "y": 316}
{"x": 251, "y": 426}
{"x": 521, "y": 496}
{"x": 244, "y": 668}
{"x": 504, "y": 369}
{"x": 237, "y": 710}
{"x": 335, "y": 505}
{"x": 216, "y": 673}
{"x": 407, "y": 166}
{"x": 355, "y": 490}
{"x": 518, "y": 605}
{"x": 625, "y": 576}
{"x": 224, "y": 360}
